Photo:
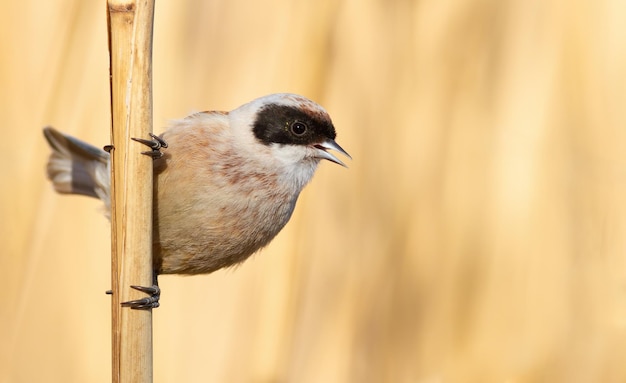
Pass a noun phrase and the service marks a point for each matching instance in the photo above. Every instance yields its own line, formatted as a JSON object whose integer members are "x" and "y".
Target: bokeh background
{"x": 479, "y": 234}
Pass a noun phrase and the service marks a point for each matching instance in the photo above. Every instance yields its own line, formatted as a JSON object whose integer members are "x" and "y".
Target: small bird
{"x": 225, "y": 183}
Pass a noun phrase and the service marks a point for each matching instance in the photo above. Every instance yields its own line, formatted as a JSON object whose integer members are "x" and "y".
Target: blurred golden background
{"x": 479, "y": 234}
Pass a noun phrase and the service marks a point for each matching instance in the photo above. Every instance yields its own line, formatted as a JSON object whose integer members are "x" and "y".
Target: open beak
{"x": 322, "y": 151}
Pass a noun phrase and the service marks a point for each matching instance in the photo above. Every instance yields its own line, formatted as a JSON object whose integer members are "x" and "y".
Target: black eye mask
{"x": 284, "y": 124}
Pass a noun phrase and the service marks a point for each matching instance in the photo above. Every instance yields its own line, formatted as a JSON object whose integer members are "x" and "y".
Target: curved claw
{"x": 150, "y": 302}
{"x": 156, "y": 143}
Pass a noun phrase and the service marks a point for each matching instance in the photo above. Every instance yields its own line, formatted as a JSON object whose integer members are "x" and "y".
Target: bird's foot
{"x": 156, "y": 143}
{"x": 150, "y": 302}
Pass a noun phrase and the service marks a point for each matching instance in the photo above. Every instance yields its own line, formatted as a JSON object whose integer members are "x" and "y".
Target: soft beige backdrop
{"x": 478, "y": 236}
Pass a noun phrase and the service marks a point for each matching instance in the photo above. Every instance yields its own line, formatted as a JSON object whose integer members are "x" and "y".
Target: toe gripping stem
{"x": 150, "y": 302}
{"x": 156, "y": 143}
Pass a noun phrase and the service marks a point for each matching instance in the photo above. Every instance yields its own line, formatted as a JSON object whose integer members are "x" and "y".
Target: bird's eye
{"x": 298, "y": 128}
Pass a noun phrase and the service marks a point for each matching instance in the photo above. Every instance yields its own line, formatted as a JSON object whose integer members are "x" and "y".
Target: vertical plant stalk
{"x": 130, "y": 25}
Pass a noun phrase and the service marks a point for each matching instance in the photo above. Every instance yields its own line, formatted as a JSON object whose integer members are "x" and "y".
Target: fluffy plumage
{"x": 226, "y": 184}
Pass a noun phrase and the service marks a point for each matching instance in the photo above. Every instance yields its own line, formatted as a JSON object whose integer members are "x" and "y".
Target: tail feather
{"x": 75, "y": 167}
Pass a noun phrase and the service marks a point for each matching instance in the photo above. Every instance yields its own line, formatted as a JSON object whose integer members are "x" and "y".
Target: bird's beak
{"x": 322, "y": 152}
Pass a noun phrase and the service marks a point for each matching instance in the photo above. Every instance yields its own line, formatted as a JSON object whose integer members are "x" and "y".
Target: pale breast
{"x": 214, "y": 207}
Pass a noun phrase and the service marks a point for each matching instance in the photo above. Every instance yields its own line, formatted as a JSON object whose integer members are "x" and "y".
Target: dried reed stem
{"x": 130, "y": 46}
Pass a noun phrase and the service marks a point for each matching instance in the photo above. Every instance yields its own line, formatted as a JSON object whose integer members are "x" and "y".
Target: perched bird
{"x": 225, "y": 184}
